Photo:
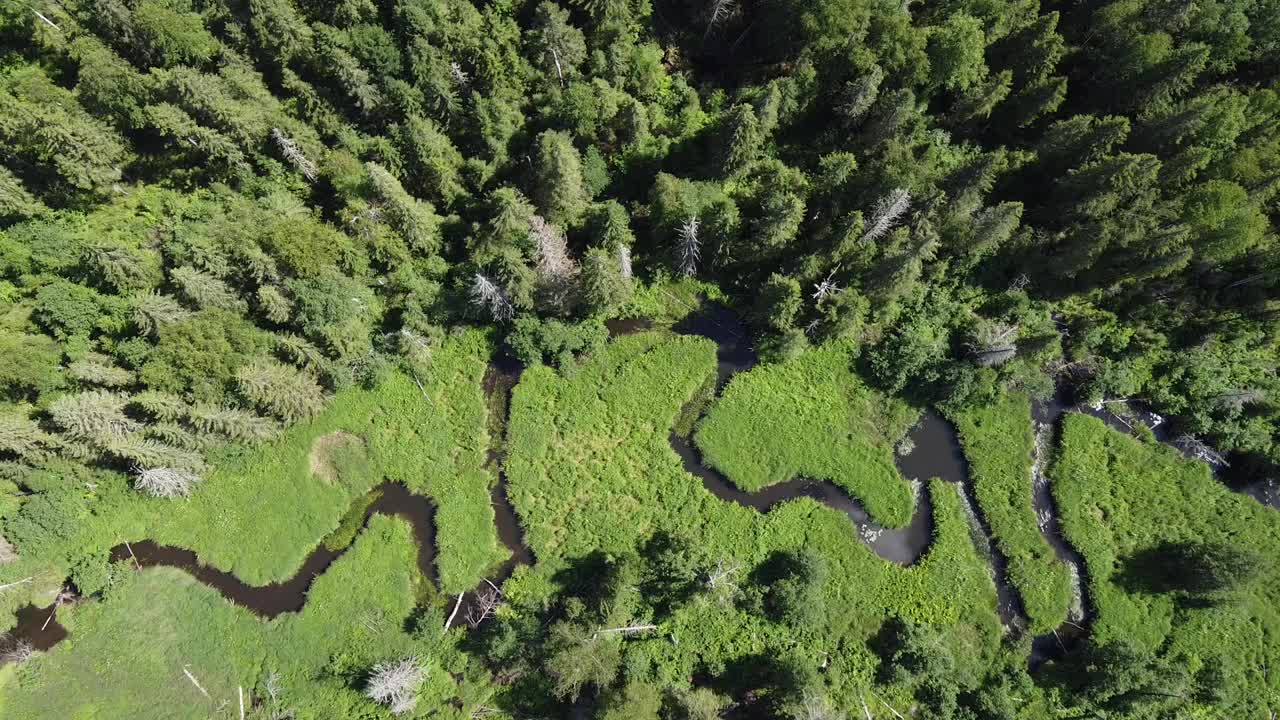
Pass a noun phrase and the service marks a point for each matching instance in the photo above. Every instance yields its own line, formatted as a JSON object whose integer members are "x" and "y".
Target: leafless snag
{"x": 486, "y": 295}
{"x": 395, "y": 684}
{"x": 816, "y": 706}
{"x": 165, "y": 482}
{"x": 1201, "y": 450}
{"x": 195, "y": 682}
{"x": 826, "y": 287}
{"x": 623, "y": 630}
{"x": 689, "y": 247}
{"x": 995, "y": 345}
{"x": 483, "y": 605}
{"x": 17, "y": 652}
{"x": 460, "y": 76}
{"x": 718, "y": 13}
{"x": 294, "y": 154}
{"x": 888, "y": 210}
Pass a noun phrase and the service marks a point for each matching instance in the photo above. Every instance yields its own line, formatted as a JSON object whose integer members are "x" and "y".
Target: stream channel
{"x": 937, "y": 454}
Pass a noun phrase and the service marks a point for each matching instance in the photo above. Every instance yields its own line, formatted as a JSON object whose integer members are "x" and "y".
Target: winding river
{"x": 937, "y": 453}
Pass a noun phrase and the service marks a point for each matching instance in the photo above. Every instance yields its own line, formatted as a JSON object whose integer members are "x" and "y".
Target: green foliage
{"x": 999, "y": 444}
{"x": 1122, "y": 501}
{"x": 811, "y": 417}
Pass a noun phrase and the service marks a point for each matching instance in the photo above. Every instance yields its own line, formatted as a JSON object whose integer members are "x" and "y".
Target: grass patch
{"x": 262, "y": 510}
{"x": 1120, "y": 497}
{"x": 590, "y": 469}
{"x": 126, "y": 653}
{"x": 811, "y": 417}
{"x": 998, "y": 442}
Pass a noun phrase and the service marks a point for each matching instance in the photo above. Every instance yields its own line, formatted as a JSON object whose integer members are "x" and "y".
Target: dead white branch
{"x": 886, "y": 215}
{"x": 825, "y": 288}
{"x": 486, "y": 294}
{"x": 291, "y": 152}
{"x": 195, "y": 682}
{"x": 456, "y": 606}
{"x": 6, "y": 586}
{"x": 689, "y": 247}
{"x": 483, "y": 605}
{"x": 395, "y": 684}
{"x": 623, "y": 630}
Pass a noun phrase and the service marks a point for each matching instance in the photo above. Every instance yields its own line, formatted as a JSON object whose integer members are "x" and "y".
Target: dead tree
{"x": 459, "y": 76}
{"x": 486, "y": 295}
{"x": 556, "y": 269}
{"x": 1201, "y": 450}
{"x": 718, "y": 13}
{"x": 722, "y": 580}
{"x": 483, "y": 605}
{"x": 689, "y": 246}
{"x": 291, "y": 152}
{"x": 886, "y": 215}
{"x": 165, "y": 482}
{"x": 16, "y": 651}
{"x": 395, "y": 684}
{"x": 826, "y": 287}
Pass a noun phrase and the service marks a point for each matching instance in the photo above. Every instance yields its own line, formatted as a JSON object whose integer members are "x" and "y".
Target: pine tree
{"x": 274, "y": 305}
{"x": 21, "y": 437}
{"x": 232, "y": 423}
{"x": 558, "y": 190}
{"x": 92, "y": 415}
{"x": 604, "y": 284}
{"x": 153, "y": 312}
{"x": 97, "y": 369}
{"x": 205, "y": 290}
{"x": 741, "y": 140}
{"x": 283, "y": 391}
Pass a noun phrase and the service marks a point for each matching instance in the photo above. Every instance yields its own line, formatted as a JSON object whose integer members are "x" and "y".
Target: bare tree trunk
{"x": 47, "y": 21}
{"x": 560, "y": 74}
{"x": 624, "y": 630}
{"x": 195, "y": 682}
{"x": 240, "y": 691}
{"x": 19, "y": 582}
{"x": 865, "y": 710}
{"x": 136, "y": 565}
{"x": 456, "y": 605}
{"x": 887, "y": 705}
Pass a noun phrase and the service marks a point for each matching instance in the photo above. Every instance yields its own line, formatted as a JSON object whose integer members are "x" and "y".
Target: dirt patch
{"x": 328, "y": 451}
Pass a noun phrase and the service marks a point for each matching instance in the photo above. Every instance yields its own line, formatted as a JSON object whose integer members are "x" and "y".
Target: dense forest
{"x": 232, "y": 228}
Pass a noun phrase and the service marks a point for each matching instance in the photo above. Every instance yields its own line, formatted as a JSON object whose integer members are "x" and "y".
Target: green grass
{"x": 590, "y": 468}
{"x": 126, "y": 653}
{"x": 1119, "y": 496}
{"x": 261, "y": 510}
{"x": 810, "y": 417}
{"x": 998, "y": 442}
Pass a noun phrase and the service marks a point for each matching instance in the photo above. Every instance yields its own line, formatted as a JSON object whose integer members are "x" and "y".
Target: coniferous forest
{"x": 640, "y": 359}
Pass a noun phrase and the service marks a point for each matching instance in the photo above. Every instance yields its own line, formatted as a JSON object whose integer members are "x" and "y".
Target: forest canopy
{"x": 217, "y": 215}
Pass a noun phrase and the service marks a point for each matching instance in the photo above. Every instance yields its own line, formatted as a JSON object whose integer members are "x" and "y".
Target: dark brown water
{"x": 37, "y": 626}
